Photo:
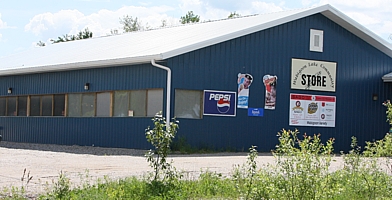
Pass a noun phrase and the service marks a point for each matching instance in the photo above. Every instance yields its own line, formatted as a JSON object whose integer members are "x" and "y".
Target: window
{"x": 120, "y": 104}
{"x": 137, "y": 103}
{"x": 154, "y": 102}
{"x": 59, "y": 104}
{"x": 316, "y": 40}
{"x": 46, "y": 105}
{"x": 35, "y": 106}
{"x": 103, "y": 104}
{"x": 22, "y": 106}
{"x": 81, "y": 105}
{"x": 3, "y": 106}
{"x": 88, "y": 105}
{"x": 11, "y": 106}
{"x": 188, "y": 104}
{"x": 74, "y": 105}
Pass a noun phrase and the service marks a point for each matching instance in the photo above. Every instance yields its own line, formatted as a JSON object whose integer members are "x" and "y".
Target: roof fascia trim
{"x": 80, "y": 65}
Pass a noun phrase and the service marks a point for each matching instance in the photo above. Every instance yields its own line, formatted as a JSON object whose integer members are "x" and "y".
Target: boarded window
{"x": 88, "y": 105}
{"x": 120, "y": 103}
{"x": 138, "y": 103}
{"x": 103, "y": 104}
{"x": 154, "y": 102}
{"x": 74, "y": 105}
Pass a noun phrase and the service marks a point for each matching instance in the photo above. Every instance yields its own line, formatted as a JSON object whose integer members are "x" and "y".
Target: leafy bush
{"x": 161, "y": 137}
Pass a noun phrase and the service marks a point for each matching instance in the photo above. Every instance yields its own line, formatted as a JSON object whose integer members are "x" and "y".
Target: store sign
{"x": 219, "y": 103}
{"x": 313, "y": 75}
{"x": 312, "y": 110}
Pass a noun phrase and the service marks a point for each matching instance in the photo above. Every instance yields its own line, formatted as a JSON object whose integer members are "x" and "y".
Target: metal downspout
{"x": 168, "y": 89}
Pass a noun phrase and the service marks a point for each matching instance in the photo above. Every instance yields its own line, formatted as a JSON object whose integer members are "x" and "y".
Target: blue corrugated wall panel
{"x": 112, "y": 78}
{"x": 103, "y": 132}
{"x": 100, "y": 131}
{"x": 359, "y": 71}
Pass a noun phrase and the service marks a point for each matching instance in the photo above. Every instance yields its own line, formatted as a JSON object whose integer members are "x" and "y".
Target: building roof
{"x": 387, "y": 77}
{"x": 164, "y": 43}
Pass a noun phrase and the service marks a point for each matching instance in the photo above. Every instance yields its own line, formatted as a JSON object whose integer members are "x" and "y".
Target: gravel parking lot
{"x": 46, "y": 162}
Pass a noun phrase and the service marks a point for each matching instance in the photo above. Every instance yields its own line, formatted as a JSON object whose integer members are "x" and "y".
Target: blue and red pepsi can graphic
{"x": 219, "y": 103}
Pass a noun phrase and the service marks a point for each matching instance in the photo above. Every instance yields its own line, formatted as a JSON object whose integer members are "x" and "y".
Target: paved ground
{"x": 46, "y": 162}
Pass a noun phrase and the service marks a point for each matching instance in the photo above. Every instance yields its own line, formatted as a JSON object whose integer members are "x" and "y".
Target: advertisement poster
{"x": 270, "y": 91}
{"x": 312, "y": 110}
{"x": 219, "y": 103}
{"x": 244, "y": 81}
{"x": 313, "y": 75}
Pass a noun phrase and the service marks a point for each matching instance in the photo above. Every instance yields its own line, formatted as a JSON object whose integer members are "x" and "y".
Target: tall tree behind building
{"x": 190, "y": 17}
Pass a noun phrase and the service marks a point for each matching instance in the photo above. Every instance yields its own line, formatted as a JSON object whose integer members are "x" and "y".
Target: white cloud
{"x": 220, "y": 9}
{"x": 263, "y": 7}
{"x": 3, "y": 24}
{"x": 1, "y": 36}
{"x": 373, "y": 14}
{"x": 100, "y": 23}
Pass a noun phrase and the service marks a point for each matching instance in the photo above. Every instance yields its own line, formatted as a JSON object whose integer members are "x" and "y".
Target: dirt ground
{"x": 46, "y": 162}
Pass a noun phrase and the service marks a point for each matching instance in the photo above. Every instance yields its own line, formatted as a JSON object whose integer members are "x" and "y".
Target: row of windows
{"x": 130, "y": 103}
{"x": 139, "y": 103}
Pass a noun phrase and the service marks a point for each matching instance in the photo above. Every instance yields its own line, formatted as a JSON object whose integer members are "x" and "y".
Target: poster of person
{"x": 270, "y": 91}
{"x": 244, "y": 81}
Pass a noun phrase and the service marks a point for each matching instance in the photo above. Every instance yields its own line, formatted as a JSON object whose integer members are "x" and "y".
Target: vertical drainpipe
{"x": 168, "y": 89}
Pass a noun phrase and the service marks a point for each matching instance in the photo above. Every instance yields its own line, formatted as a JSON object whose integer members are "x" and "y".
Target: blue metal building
{"x": 104, "y": 91}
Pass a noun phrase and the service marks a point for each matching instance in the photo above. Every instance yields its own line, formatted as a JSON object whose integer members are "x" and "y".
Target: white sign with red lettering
{"x": 312, "y": 110}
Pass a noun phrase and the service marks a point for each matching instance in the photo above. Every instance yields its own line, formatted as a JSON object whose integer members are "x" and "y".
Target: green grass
{"x": 301, "y": 171}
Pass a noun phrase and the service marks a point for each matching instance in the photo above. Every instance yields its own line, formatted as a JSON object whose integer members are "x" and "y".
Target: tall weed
{"x": 302, "y": 166}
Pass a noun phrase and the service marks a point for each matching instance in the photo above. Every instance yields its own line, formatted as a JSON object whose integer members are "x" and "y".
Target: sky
{"x": 23, "y": 23}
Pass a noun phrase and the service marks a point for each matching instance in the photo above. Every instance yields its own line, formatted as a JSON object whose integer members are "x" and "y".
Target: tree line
{"x": 129, "y": 24}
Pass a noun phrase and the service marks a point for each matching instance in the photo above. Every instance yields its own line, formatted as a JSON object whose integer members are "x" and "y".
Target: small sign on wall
{"x": 313, "y": 75}
{"x": 255, "y": 112}
{"x": 312, "y": 110}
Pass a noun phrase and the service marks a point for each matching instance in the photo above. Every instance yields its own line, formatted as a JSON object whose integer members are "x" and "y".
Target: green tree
{"x": 164, "y": 23}
{"x": 84, "y": 34}
{"x": 130, "y": 24}
{"x": 80, "y": 36}
{"x": 233, "y": 15}
{"x": 190, "y": 17}
{"x": 41, "y": 44}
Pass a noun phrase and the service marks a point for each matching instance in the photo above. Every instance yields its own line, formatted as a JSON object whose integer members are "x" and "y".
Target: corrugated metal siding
{"x": 100, "y": 131}
{"x": 359, "y": 71}
{"x": 101, "y": 79}
{"x": 103, "y": 132}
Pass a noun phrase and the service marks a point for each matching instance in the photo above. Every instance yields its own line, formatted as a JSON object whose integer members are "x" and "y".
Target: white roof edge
{"x": 356, "y": 28}
{"x": 81, "y": 65}
{"x": 387, "y": 77}
{"x": 239, "y": 33}
{"x": 326, "y": 10}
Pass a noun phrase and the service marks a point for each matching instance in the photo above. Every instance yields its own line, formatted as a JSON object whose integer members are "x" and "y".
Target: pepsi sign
{"x": 219, "y": 103}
